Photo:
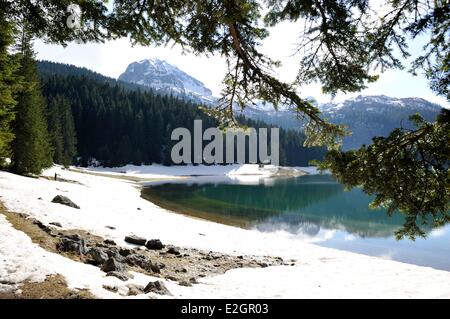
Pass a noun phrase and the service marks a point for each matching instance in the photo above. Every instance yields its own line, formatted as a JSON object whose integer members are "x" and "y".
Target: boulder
{"x": 111, "y": 288}
{"x": 112, "y": 265}
{"x": 134, "y": 290}
{"x": 157, "y": 287}
{"x": 42, "y": 226}
{"x": 98, "y": 256}
{"x": 154, "y": 244}
{"x": 63, "y": 200}
{"x": 73, "y": 243}
{"x": 120, "y": 275}
{"x": 124, "y": 252}
{"x": 56, "y": 224}
{"x": 142, "y": 262}
{"x": 155, "y": 268}
{"x": 114, "y": 253}
{"x": 185, "y": 284}
{"x": 109, "y": 242}
{"x": 132, "y": 239}
{"x": 173, "y": 251}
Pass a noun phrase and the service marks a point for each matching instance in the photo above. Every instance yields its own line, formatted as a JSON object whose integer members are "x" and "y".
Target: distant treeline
{"x": 119, "y": 123}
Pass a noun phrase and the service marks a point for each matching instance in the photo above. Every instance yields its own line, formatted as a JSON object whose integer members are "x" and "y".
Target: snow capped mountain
{"x": 376, "y": 115}
{"x": 366, "y": 116}
{"x": 379, "y": 104}
{"x": 160, "y": 75}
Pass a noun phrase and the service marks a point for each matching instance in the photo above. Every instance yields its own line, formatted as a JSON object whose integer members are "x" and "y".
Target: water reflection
{"x": 310, "y": 208}
{"x": 296, "y": 205}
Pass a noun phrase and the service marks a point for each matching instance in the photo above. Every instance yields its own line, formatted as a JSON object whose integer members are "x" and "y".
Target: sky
{"x": 112, "y": 58}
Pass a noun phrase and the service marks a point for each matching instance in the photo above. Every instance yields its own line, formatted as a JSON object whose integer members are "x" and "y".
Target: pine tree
{"x": 8, "y": 86}
{"x": 62, "y": 130}
{"x": 55, "y": 130}
{"x": 69, "y": 135}
{"x": 31, "y": 148}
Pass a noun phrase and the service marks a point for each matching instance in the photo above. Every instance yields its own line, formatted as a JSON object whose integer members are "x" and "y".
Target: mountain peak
{"x": 161, "y": 75}
{"x": 379, "y": 103}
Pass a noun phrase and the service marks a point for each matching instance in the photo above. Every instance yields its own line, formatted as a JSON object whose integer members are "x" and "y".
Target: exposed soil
{"x": 183, "y": 265}
{"x": 53, "y": 287}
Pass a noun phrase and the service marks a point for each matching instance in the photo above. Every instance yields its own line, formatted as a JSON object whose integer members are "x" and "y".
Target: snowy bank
{"x": 160, "y": 171}
{"x": 318, "y": 271}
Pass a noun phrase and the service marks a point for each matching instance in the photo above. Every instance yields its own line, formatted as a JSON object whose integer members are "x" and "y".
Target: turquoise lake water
{"x": 313, "y": 208}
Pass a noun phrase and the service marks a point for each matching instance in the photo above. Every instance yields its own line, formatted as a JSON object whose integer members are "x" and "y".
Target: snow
{"x": 160, "y": 171}
{"x": 21, "y": 260}
{"x": 159, "y": 74}
{"x": 319, "y": 271}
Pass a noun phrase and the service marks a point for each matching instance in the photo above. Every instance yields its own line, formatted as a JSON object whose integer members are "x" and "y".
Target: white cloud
{"x": 437, "y": 232}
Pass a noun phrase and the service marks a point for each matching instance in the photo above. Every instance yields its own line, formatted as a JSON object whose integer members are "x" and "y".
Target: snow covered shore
{"x": 160, "y": 171}
{"x": 319, "y": 272}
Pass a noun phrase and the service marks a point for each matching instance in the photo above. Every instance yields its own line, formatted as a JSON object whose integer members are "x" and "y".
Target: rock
{"x": 134, "y": 290}
{"x": 63, "y": 200}
{"x": 173, "y": 278}
{"x": 73, "y": 244}
{"x": 173, "y": 251}
{"x": 132, "y": 239}
{"x": 121, "y": 275}
{"x": 112, "y": 265}
{"x": 114, "y": 253}
{"x": 98, "y": 256}
{"x": 110, "y": 227}
{"x": 124, "y": 252}
{"x": 109, "y": 242}
{"x": 263, "y": 265}
{"x": 185, "y": 284}
{"x": 193, "y": 280}
{"x": 110, "y": 288}
{"x": 157, "y": 287}
{"x": 42, "y": 226}
{"x": 138, "y": 208}
{"x": 56, "y": 224}
{"x": 143, "y": 262}
{"x": 154, "y": 244}
{"x": 161, "y": 265}
{"x": 155, "y": 268}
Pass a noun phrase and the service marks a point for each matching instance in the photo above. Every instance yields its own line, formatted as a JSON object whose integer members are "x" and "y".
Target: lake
{"x": 312, "y": 208}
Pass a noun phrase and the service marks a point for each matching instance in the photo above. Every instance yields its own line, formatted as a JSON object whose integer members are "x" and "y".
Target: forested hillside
{"x": 119, "y": 123}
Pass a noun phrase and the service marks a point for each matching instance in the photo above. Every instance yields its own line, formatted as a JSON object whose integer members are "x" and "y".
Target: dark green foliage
{"x": 62, "y": 131}
{"x": 55, "y": 131}
{"x": 120, "y": 125}
{"x": 415, "y": 180}
{"x": 8, "y": 87}
{"x": 31, "y": 147}
{"x": 48, "y": 69}
{"x": 341, "y": 42}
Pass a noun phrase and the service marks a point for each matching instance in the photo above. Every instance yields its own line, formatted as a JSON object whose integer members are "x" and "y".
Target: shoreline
{"x": 319, "y": 272}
